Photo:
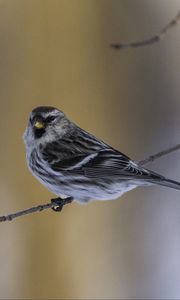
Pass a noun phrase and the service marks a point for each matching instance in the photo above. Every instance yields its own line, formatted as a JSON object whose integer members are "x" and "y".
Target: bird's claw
{"x": 59, "y": 203}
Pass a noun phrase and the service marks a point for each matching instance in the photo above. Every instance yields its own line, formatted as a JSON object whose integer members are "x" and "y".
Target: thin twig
{"x": 159, "y": 154}
{"x": 151, "y": 40}
{"x": 55, "y": 204}
{"x": 58, "y": 204}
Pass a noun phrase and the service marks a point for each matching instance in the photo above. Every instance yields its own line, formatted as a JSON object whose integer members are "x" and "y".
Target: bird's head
{"x": 46, "y": 124}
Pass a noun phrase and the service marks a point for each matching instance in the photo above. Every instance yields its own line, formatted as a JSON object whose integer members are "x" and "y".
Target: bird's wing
{"x": 105, "y": 163}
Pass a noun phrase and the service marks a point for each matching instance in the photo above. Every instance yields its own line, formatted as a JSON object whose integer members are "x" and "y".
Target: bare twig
{"x": 159, "y": 154}
{"x": 58, "y": 204}
{"x": 151, "y": 40}
{"x": 55, "y": 204}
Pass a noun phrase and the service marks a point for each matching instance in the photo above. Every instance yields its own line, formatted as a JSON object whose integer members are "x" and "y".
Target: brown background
{"x": 57, "y": 53}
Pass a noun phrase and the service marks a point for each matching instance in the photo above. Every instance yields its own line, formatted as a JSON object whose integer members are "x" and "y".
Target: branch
{"x": 58, "y": 203}
{"x": 151, "y": 40}
{"x": 159, "y": 154}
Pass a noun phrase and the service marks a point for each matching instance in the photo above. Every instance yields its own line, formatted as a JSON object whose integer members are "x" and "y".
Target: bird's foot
{"x": 59, "y": 203}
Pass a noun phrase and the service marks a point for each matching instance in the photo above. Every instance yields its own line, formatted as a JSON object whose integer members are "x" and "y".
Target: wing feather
{"x": 93, "y": 161}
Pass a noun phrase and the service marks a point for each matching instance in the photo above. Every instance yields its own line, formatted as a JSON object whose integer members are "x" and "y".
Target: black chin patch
{"x": 38, "y": 132}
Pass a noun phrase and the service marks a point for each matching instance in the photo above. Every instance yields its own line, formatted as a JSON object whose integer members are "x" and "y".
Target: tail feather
{"x": 167, "y": 182}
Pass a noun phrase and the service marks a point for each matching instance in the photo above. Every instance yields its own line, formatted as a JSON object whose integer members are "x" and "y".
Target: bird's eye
{"x": 50, "y": 119}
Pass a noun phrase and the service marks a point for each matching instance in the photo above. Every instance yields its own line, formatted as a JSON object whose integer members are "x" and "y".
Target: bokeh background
{"x": 57, "y": 53}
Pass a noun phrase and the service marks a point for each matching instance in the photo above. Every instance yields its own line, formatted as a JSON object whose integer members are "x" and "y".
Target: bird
{"x": 73, "y": 163}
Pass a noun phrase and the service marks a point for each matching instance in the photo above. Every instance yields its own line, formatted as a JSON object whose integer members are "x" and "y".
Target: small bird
{"x": 72, "y": 162}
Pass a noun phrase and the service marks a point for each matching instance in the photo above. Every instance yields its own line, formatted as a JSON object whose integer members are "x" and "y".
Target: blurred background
{"x": 57, "y": 53}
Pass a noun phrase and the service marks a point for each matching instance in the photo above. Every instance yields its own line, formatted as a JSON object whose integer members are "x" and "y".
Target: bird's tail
{"x": 167, "y": 182}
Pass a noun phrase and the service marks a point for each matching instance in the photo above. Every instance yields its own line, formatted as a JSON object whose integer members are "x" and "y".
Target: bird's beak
{"x": 39, "y": 125}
